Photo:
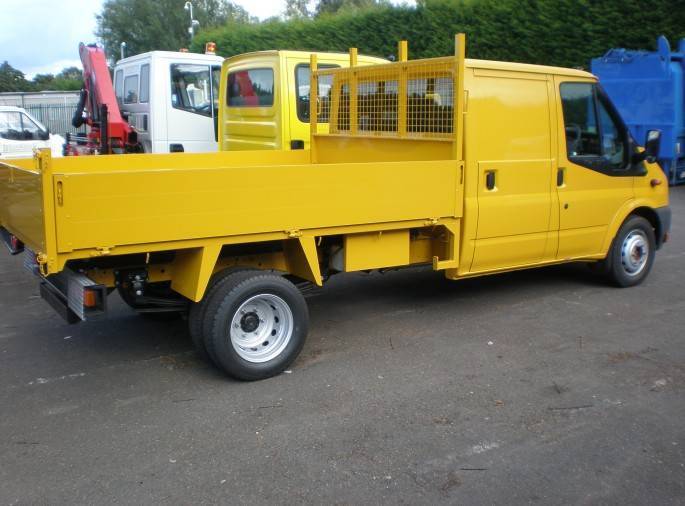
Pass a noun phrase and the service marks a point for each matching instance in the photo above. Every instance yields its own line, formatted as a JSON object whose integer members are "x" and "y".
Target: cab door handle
{"x": 490, "y": 180}
{"x": 560, "y": 177}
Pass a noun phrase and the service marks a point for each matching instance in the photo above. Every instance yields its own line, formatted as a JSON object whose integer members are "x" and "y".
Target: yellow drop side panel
{"x": 108, "y": 209}
{"x": 27, "y": 202}
{"x": 509, "y": 148}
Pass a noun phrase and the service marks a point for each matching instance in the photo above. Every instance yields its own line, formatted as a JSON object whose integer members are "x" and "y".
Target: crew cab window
{"x": 144, "y": 95}
{"x": 119, "y": 85}
{"x": 131, "y": 89}
{"x": 302, "y": 77}
{"x": 595, "y": 137}
{"x": 16, "y": 126}
{"x": 251, "y": 88}
{"x": 191, "y": 88}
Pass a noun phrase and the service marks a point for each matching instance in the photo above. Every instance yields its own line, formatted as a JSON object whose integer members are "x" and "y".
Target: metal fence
{"x": 52, "y": 109}
{"x": 56, "y": 117}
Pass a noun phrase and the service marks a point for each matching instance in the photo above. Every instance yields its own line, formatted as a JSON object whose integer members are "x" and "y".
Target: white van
{"x": 171, "y": 99}
{"x": 21, "y": 133}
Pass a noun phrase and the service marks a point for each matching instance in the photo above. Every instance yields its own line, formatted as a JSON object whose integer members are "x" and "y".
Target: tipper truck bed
{"x": 472, "y": 167}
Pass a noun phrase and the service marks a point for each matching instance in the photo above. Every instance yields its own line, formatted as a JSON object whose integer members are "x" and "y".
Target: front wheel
{"x": 255, "y": 324}
{"x": 632, "y": 253}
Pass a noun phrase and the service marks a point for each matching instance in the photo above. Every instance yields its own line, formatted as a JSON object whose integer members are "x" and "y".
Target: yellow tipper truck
{"x": 473, "y": 167}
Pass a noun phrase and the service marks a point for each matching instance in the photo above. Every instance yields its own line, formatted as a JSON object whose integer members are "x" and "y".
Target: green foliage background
{"x": 553, "y": 32}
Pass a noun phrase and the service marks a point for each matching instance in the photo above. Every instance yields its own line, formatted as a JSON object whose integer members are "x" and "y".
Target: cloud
{"x": 51, "y": 68}
{"x": 39, "y": 34}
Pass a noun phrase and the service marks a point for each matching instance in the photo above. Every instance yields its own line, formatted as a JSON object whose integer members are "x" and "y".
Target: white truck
{"x": 171, "y": 99}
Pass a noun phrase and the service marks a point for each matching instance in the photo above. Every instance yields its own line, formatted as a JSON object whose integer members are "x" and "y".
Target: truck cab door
{"x": 299, "y": 74}
{"x": 509, "y": 146}
{"x": 296, "y": 102}
{"x": 594, "y": 175}
{"x": 190, "y": 119}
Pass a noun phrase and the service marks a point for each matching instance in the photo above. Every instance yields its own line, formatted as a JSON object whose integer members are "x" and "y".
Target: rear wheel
{"x": 196, "y": 314}
{"x": 255, "y": 324}
{"x": 632, "y": 253}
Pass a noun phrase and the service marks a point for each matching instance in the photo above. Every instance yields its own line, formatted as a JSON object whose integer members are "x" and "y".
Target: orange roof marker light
{"x": 210, "y": 48}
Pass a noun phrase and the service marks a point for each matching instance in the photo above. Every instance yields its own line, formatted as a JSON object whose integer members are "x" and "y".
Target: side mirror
{"x": 652, "y": 145}
{"x": 44, "y": 135}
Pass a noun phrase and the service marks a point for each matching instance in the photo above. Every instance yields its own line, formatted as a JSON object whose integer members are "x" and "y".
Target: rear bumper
{"x": 74, "y": 296}
{"x": 664, "y": 216}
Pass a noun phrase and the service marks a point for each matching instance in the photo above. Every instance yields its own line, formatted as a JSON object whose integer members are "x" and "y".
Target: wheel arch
{"x": 641, "y": 208}
{"x": 193, "y": 268}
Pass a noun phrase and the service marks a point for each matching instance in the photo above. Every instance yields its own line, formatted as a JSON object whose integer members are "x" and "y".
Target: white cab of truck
{"x": 171, "y": 99}
{"x": 21, "y": 133}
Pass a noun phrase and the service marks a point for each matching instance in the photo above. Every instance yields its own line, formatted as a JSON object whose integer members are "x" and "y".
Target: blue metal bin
{"x": 648, "y": 89}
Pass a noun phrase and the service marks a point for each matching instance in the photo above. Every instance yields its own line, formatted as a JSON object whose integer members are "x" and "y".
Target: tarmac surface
{"x": 542, "y": 386}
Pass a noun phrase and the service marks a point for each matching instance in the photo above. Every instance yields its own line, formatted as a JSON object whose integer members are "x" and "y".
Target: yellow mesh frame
{"x": 413, "y": 99}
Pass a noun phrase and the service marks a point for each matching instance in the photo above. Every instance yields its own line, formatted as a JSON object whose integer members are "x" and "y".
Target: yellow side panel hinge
{"x": 293, "y": 234}
{"x": 102, "y": 251}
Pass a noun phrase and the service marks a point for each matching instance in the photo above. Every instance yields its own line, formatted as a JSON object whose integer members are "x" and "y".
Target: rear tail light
{"x": 90, "y": 298}
{"x": 16, "y": 245}
{"x": 13, "y": 243}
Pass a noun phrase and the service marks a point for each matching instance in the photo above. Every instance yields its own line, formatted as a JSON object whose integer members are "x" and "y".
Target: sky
{"x": 42, "y": 36}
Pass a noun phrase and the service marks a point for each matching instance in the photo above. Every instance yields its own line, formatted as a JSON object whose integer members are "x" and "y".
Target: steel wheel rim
{"x": 261, "y": 328}
{"x": 634, "y": 252}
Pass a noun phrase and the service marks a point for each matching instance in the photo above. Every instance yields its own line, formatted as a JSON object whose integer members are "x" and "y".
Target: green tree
{"x": 70, "y": 74}
{"x": 147, "y": 25}
{"x": 42, "y": 82}
{"x": 335, "y": 6}
{"x": 567, "y": 33}
{"x": 296, "y": 9}
{"x": 12, "y": 79}
{"x": 69, "y": 79}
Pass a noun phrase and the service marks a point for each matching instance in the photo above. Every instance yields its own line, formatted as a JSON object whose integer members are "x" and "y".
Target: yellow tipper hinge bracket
{"x": 42, "y": 261}
{"x": 452, "y": 260}
{"x": 293, "y": 234}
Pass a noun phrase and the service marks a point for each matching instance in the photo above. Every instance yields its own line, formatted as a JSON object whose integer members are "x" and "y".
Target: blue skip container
{"x": 648, "y": 89}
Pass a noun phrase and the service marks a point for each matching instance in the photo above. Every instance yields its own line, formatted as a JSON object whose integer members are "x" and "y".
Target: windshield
{"x": 17, "y": 126}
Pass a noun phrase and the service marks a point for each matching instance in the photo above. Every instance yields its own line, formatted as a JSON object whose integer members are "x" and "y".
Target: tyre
{"x": 632, "y": 253}
{"x": 197, "y": 311}
{"x": 255, "y": 324}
